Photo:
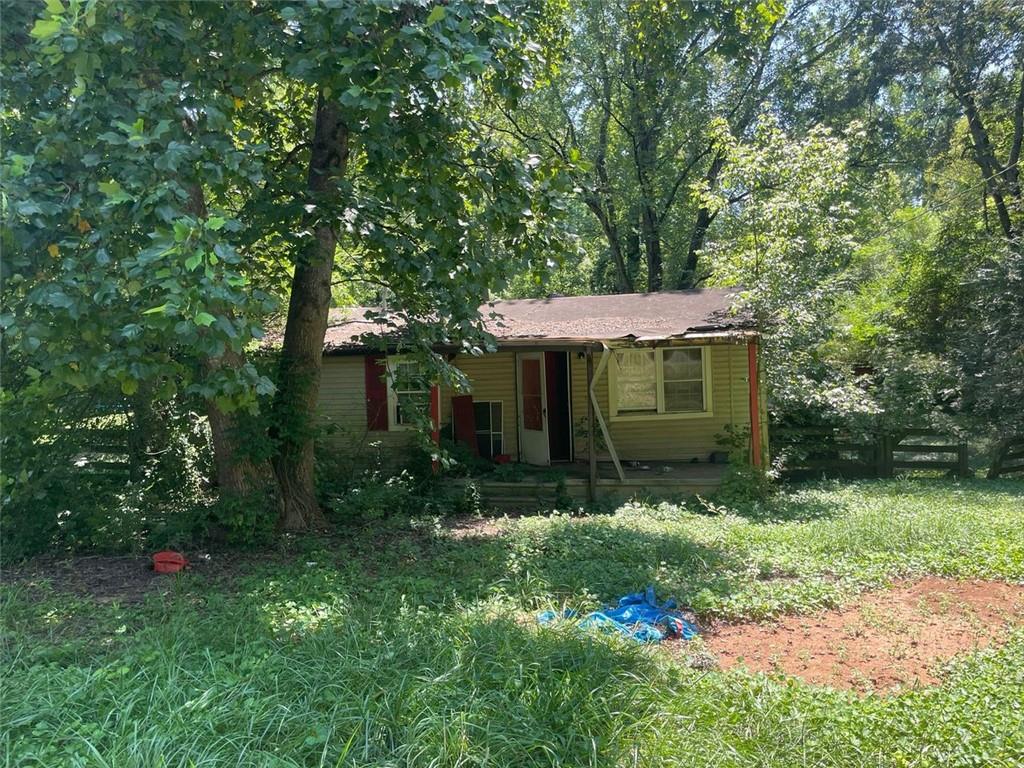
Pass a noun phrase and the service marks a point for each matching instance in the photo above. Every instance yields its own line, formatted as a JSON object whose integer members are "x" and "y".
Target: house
{"x": 620, "y": 391}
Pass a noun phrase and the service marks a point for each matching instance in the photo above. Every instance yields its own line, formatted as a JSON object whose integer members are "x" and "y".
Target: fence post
{"x": 963, "y": 469}
{"x": 883, "y": 460}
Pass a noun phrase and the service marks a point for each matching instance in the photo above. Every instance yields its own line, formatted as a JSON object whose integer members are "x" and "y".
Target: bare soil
{"x": 124, "y": 579}
{"x": 887, "y": 640}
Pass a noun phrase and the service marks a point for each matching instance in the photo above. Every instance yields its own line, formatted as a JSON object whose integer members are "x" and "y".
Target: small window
{"x": 489, "y": 435}
{"x": 408, "y": 391}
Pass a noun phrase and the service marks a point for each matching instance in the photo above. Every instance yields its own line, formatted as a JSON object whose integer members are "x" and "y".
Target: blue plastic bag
{"x": 637, "y": 616}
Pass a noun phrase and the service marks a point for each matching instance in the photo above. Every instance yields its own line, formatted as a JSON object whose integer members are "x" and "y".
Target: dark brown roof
{"x": 636, "y": 316}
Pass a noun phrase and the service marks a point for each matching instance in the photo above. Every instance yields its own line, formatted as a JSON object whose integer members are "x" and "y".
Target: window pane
{"x": 499, "y": 446}
{"x": 482, "y": 412}
{"x": 635, "y": 364}
{"x": 638, "y": 396}
{"x": 684, "y": 396}
{"x": 483, "y": 445}
{"x": 636, "y": 381}
{"x": 408, "y": 404}
{"x": 681, "y": 364}
{"x": 496, "y": 417}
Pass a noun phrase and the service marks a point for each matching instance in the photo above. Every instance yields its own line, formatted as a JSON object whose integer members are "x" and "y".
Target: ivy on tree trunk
{"x": 308, "y": 307}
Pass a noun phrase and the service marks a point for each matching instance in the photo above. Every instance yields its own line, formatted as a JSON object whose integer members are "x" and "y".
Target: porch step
{"x": 511, "y": 495}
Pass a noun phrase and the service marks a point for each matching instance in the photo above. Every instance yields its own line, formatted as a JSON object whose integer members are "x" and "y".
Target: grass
{"x": 416, "y": 648}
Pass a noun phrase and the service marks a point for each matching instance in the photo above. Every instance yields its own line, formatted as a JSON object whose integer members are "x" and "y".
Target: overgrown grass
{"x": 416, "y": 648}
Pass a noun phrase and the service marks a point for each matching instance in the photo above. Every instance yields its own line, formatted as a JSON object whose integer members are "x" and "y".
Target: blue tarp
{"x": 638, "y": 616}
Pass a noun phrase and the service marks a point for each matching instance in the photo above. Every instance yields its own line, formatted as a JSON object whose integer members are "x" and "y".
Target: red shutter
{"x": 376, "y": 393}
{"x": 464, "y": 420}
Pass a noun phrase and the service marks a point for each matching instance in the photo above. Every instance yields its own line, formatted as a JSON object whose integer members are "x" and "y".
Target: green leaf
{"x": 156, "y": 310}
{"x": 215, "y": 223}
{"x": 46, "y": 28}
{"x": 436, "y": 14}
{"x": 193, "y": 261}
{"x": 115, "y": 194}
{"x": 205, "y": 319}
{"x": 129, "y": 386}
{"x": 54, "y": 7}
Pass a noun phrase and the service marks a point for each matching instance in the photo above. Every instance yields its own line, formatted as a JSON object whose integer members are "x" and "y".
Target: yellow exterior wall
{"x": 493, "y": 377}
{"x": 669, "y": 439}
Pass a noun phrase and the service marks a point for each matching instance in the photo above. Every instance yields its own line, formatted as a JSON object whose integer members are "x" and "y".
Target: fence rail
{"x": 815, "y": 450}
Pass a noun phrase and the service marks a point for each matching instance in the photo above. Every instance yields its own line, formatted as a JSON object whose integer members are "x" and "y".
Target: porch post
{"x": 591, "y": 427}
{"x": 755, "y": 404}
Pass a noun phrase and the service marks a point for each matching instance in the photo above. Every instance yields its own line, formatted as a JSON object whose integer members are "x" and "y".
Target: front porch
{"x": 516, "y": 486}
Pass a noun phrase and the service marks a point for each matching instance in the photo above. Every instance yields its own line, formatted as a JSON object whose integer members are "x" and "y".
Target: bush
{"x": 743, "y": 486}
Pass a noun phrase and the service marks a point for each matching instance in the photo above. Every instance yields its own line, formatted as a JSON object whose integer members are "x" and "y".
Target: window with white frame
{"x": 662, "y": 382}
{"x": 636, "y": 381}
{"x": 408, "y": 392}
{"x": 489, "y": 434}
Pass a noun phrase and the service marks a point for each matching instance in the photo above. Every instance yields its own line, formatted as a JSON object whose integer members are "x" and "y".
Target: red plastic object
{"x": 502, "y": 458}
{"x": 169, "y": 561}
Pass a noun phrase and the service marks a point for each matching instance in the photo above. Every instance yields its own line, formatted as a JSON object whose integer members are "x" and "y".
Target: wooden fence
{"x": 808, "y": 451}
{"x": 1009, "y": 458}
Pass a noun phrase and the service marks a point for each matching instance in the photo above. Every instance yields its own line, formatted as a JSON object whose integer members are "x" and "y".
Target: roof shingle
{"x": 633, "y": 316}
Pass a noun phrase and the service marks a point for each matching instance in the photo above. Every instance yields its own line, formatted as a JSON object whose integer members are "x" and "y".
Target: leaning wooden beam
{"x": 600, "y": 417}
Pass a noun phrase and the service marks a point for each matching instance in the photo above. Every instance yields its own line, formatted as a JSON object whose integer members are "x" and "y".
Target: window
{"x": 669, "y": 382}
{"x": 489, "y": 436}
{"x": 637, "y": 382}
{"x": 682, "y": 374}
{"x": 408, "y": 392}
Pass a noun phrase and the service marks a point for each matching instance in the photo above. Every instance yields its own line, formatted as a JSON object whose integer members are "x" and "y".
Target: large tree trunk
{"x": 603, "y": 202}
{"x": 237, "y": 475}
{"x": 298, "y": 385}
{"x": 652, "y": 245}
{"x": 705, "y": 216}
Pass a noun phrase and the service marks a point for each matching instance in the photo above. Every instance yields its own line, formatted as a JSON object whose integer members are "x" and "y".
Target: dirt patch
{"x": 475, "y": 527}
{"x": 123, "y": 579}
{"x": 886, "y": 640}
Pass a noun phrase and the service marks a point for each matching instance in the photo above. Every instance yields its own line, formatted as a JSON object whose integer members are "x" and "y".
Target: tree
{"x": 168, "y": 240}
{"x": 787, "y": 244}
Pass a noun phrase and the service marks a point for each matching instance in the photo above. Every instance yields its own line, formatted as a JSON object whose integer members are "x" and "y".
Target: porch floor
{"x": 641, "y": 472}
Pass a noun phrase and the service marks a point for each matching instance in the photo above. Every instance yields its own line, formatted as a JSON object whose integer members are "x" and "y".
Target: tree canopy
{"x": 180, "y": 179}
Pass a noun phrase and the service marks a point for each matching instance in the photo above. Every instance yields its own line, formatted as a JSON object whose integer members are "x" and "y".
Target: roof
{"x": 694, "y": 313}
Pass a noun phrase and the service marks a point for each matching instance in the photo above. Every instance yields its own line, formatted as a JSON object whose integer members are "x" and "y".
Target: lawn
{"x": 417, "y": 646}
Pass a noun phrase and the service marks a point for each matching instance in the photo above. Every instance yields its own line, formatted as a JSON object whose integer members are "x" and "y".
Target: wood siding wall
{"x": 670, "y": 439}
{"x": 493, "y": 377}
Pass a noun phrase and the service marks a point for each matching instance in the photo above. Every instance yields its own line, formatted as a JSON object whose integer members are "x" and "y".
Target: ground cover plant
{"x": 415, "y": 644}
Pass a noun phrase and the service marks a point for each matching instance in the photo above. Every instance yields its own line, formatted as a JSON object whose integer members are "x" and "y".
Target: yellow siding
{"x": 670, "y": 439}
{"x": 493, "y": 377}
{"x": 343, "y": 405}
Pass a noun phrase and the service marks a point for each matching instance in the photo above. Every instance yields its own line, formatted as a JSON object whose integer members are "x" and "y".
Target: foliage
{"x": 421, "y": 648}
{"x": 787, "y": 245}
{"x": 74, "y": 481}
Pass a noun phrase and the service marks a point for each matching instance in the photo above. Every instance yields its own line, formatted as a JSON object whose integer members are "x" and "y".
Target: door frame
{"x": 567, "y": 395}
{"x": 520, "y": 413}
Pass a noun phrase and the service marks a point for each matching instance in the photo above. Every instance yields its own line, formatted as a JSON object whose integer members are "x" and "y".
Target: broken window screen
{"x": 488, "y": 428}
{"x": 636, "y": 380}
{"x": 683, "y": 377}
